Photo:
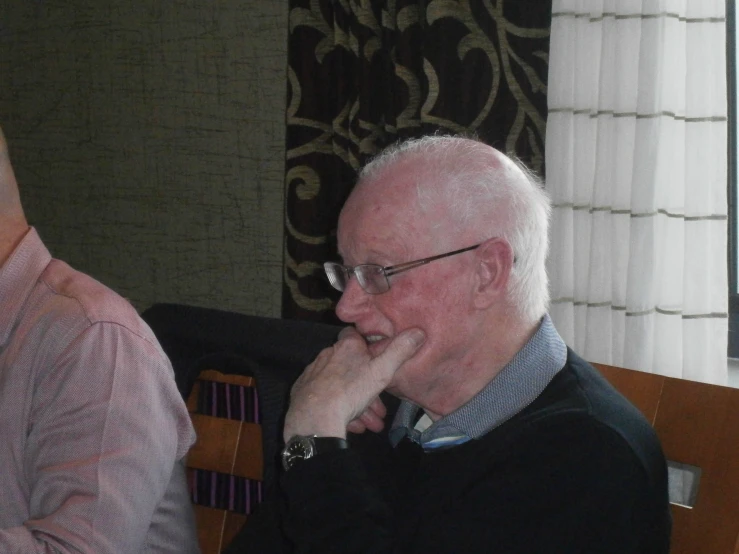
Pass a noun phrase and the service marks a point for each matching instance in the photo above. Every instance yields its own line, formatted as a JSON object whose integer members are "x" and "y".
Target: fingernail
{"x": 417, "y": 336}
{"x": 344, "y": 332}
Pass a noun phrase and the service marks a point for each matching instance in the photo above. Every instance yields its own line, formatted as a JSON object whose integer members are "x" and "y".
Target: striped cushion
{"x": 220, "y": 490}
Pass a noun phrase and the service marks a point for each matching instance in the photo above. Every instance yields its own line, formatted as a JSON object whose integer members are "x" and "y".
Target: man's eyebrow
{"x": 371, "y": 257}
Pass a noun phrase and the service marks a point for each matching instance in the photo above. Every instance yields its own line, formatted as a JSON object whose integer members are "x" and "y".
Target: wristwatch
{"x": 300, "y": 447}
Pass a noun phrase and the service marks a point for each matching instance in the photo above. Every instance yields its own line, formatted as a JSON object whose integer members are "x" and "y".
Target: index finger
{"x": 400, "y": 349}
{"x": 347, "y": 332}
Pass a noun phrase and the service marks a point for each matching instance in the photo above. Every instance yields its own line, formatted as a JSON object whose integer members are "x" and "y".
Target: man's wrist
{"x": 300, "y": 448}
{"x": 312, "y": 428}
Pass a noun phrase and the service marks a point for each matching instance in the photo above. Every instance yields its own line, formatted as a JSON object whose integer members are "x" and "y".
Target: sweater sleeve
{"x": 333, "y": 507}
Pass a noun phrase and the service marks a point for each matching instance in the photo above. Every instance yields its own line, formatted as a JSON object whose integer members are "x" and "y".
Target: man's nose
{"x": 353, "y": 301}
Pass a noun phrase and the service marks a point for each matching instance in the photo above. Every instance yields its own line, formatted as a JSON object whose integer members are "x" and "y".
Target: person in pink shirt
{"x": 92, "y": 426}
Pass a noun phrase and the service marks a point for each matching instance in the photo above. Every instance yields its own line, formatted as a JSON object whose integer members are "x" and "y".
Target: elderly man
{"x": 503, "y": 439}
{"x": 92, "y": 427}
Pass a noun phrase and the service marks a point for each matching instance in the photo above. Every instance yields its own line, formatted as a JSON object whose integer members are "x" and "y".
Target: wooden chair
{"x": 225, "y": 466}
{"x": 698, "y": 425}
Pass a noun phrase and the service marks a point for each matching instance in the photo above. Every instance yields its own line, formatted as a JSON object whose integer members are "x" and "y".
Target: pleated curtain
{"x": 636, "y": 167}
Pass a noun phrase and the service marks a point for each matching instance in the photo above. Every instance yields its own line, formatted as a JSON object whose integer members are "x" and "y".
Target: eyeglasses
{"x": 373, "y": 278}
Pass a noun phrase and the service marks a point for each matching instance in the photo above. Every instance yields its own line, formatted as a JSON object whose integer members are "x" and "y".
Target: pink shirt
{"x": 92, "y": 427}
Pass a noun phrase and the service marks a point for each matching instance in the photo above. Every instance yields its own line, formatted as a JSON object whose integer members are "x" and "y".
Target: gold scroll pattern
{"x": 365, "y": 73}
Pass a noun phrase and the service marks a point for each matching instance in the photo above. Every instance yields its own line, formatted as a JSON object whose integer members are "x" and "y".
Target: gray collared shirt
{"x": 515, "y": 387}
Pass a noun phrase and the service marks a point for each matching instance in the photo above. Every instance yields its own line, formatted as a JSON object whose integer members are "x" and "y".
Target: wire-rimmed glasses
{"x": 373, "y": 278}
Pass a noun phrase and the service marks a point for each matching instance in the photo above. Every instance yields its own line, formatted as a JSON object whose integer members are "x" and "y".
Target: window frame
{"x": 731, "y": 189}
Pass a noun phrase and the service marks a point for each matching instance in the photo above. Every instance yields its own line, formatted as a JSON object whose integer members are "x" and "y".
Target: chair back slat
{"x": 698, "y": 426}
{"x": 227, "y": 446}
{"x": 193, "y": 399}
{"x": 226, "y": 465}
{"x": 227, "y": 378}
{"x": 216, "y": 528}
{"x": 643, "y": 390}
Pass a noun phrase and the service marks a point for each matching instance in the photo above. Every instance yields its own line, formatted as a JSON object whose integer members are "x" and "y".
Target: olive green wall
{"x": 148, "y": 138}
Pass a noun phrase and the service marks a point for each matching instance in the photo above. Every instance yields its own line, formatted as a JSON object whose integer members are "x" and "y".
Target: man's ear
{"x": 494, "y": 263}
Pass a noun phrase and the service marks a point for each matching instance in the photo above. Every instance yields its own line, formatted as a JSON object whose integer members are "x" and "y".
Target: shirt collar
{"x": 18, "y": 276}
{"x": 515, "y": 387}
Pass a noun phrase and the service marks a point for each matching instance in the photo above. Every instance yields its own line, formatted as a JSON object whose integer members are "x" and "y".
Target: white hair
{"x": 484, "y": 199}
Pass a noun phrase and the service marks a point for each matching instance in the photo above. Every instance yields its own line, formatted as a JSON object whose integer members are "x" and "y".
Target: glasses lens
{"x": 337, "y": 275}
{"x": 372, "y": 278}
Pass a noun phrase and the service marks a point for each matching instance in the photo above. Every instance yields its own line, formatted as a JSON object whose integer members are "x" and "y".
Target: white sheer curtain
{"x": 636, "y": 166}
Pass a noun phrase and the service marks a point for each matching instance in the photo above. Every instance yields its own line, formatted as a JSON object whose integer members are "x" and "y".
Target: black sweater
{"x": 578, "y": 471}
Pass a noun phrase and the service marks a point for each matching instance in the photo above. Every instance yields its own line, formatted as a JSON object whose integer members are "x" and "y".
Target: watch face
{"x": 297, "y": 448}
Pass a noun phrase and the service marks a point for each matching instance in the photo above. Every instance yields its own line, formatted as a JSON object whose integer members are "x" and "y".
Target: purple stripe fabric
{"x": 219, "y": 490}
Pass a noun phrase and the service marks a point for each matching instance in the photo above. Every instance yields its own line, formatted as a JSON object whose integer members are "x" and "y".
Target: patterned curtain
{"x": 363, "y": 74}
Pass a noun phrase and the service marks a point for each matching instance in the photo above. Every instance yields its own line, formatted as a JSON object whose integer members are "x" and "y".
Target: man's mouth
{"x": 374, "y": 338}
